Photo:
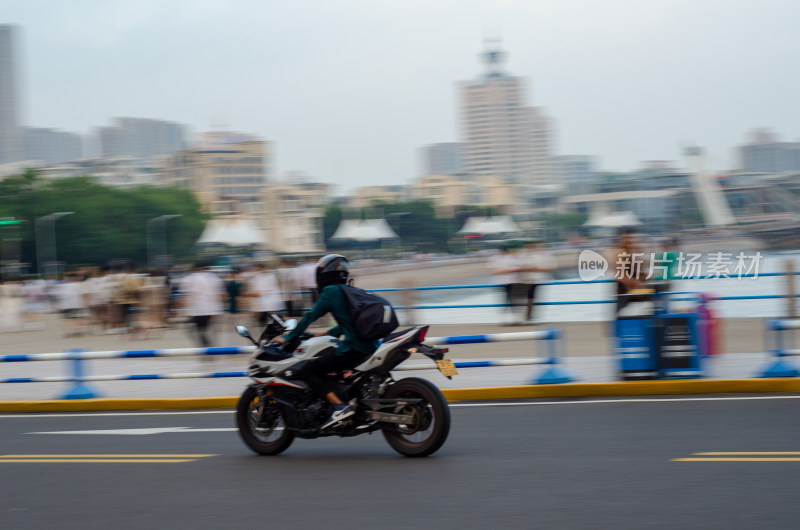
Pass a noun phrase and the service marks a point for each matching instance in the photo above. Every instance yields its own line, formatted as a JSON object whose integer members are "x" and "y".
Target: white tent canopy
{"x": 233, "y": 233}
{"x": 490, "y": 225}
{"x": 347, "y": 229}
{"x": 613, "y": 220}
{"x": 366, "y": 230}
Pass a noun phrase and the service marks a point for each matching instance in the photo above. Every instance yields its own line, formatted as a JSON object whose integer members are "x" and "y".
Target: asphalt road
{"x": 572, "y": 464}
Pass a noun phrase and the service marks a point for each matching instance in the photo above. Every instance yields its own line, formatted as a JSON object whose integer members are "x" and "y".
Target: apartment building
{"x": 368, "y": 196}
{"x": 449, "y": 192}
{"x": 293, "y": 218}
{"x": 502, "y": 135}
{"x": 228, "y": 171}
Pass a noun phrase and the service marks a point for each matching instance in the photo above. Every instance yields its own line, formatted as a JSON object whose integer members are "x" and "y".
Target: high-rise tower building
{"x": 9, "y": 115}
{"x": 765, "y": 153}
{"x": 49, "y": 146}
{"x": 443, "y": 159}
{"x": 141, "y": 138}
{"x": 503, "y": 136}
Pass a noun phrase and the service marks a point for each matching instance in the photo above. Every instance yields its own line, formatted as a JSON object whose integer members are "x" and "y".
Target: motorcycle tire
{"x": 266, "y": 435}
{"x": 432, "y": 418}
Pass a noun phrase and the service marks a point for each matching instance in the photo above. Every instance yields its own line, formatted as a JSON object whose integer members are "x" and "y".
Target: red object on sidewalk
{"x": 708, "y": 327}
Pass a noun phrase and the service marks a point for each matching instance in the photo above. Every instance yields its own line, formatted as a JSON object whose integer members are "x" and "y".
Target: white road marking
{"x": 453, "y": 405}
{"x": 140, "y": 432}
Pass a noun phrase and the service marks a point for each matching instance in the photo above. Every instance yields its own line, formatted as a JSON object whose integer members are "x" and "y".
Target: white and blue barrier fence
{"x": 78, "y": 378}
{"x": 553, "y": 374}
{"x": 782, "y": 349}
{"x": 80, "y": 390}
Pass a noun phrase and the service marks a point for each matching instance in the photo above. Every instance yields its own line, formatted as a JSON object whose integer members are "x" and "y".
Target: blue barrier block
{"x": 79, "y": 390}
{"x": 553, "y": 375}
{"x": 780, "y": 368}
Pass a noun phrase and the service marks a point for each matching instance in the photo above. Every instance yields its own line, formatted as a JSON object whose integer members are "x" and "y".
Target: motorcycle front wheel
{"x": 431, "y": 424}
{"x": 261, "y": 424}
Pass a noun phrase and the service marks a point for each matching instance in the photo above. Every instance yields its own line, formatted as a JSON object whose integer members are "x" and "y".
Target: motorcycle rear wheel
{"x": 262, "y": 427}
{"x": 431, "y": 423}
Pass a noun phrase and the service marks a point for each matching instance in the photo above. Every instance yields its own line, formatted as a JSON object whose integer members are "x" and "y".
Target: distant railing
{"x": 580, "y": 282}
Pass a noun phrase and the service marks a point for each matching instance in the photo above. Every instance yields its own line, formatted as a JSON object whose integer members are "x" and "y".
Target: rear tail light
{"x": 422, "y": 333}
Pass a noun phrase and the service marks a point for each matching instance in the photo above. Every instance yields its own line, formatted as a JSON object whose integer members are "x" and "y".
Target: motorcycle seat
{"x": 395, "y": 334}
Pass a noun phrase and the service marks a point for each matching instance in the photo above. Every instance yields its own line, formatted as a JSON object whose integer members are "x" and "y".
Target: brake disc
{"x": 416, "y": 424}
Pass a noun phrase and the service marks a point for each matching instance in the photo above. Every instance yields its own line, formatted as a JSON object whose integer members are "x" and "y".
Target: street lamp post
{"x": 38, "y": 230}
{"x": 163, "y": 219}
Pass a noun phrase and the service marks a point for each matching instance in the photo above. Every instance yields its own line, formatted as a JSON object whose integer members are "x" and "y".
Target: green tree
{"x": 108, "y": 223}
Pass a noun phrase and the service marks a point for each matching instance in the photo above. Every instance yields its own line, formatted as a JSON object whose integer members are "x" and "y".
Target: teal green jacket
{"x": 331, "y": 300}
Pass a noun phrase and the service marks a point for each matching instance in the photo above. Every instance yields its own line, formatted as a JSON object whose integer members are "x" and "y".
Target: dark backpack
{"x": 373, "y": 316}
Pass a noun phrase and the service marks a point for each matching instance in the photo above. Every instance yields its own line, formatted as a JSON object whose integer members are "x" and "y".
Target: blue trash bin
{"x": 677, "y": 348}
{"x": 635, "y": 347}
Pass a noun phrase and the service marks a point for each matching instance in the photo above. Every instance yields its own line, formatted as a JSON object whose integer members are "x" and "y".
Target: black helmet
{"x": 332, "y": 269}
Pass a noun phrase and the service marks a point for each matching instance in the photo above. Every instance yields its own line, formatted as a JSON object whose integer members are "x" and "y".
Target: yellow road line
{"x": 91, "y": 461}
{"x": 774, "y": 453}
{"x": 106, "y": 456}
{"x": 777, "y": 459}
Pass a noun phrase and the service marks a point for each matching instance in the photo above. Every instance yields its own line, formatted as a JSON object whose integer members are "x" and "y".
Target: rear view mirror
{"x": 244, "y": 332}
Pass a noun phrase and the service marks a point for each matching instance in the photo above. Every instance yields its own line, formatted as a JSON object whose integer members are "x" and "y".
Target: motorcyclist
{"x": 332, "y": 272}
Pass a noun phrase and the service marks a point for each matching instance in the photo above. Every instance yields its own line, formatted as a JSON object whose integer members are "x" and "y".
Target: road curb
{"x": 630, "y": 388}
{"x": 101, "y": 404}
{"x": 568, "y": 390}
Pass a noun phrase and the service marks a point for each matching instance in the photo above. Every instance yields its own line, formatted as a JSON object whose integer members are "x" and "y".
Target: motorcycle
{"x": 277, "y": 406}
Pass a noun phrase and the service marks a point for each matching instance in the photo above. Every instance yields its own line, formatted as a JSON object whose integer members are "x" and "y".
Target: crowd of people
{"x": 124, "y": 300}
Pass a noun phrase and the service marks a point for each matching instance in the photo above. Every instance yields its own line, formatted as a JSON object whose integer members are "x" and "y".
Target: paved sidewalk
{"x": 582, "y": 339}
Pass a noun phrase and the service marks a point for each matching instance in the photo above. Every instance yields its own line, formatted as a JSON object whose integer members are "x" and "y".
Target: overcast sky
{"x": 348, "y": 89}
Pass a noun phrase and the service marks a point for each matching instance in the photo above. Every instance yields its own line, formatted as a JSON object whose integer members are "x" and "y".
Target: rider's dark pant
{"x": 315, "y": 372}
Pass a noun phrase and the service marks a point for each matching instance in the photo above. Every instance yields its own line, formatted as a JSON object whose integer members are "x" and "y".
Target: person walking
{"x": 505, "y": 267}
{"x": 72, "y": 304}
{"x": 130, "y": 300}
{"x": 11, "y": 306}
{"x": 99, "y": 299}
{"x": 264, "y": 290}
{"x": 537, "y": 268}
{"x": 305, "y": 279}
{"x": 234, "y": 291}
{"x": 33, "y": 291}
{"x": 203, "y": 299}
{"x": 288, "y": 285}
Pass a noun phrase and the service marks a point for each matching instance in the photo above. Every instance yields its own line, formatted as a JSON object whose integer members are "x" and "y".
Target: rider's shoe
{"x": 339, "y": 413}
